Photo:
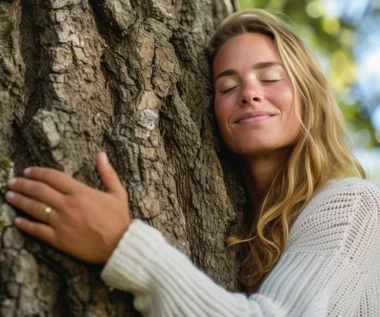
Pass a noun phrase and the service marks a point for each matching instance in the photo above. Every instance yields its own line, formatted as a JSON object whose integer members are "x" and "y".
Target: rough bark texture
{"x": 129, "y": 77}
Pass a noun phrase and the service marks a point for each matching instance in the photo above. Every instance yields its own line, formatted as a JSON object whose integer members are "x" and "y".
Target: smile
{"x": 253, "y": 117}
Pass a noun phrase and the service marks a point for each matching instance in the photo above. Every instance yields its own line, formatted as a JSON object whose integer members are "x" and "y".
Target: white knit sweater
{"x": 331, "y": 266}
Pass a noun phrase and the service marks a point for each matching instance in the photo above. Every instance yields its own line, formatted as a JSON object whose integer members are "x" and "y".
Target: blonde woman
{"x": 315, "y": 239}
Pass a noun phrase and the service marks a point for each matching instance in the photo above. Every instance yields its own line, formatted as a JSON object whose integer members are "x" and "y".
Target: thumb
{"x": 107, "y": 174}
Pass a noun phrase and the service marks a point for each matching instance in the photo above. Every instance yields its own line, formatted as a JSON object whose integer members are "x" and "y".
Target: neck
{"x": 259, "y": 173}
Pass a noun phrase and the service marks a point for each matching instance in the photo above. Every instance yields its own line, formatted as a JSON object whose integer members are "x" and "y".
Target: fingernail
{"x": 105, "y": 157}
{"x": 11, "y": 181}
{"x": 27, "y": 171}
{"x": 18, "y": 220}
{"x": 10, "y": 195}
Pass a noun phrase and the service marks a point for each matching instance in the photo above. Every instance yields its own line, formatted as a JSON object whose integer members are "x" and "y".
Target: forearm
{"x": 165, "y": 283}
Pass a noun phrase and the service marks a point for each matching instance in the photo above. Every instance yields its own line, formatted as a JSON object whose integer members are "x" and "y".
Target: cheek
{"x": 283, "y": 97}
{"x": 283, "y": 92}
{"x": 222, "y": 114}
{"x": 294, "y": 118}
{"x": 220, "y": 108}
{"x": 219, "y": 115}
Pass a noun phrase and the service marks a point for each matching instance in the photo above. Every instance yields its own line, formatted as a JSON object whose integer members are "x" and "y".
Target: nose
{"x": 251, "y": 93}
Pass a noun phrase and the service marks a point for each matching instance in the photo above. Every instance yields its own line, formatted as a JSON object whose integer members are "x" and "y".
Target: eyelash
{"x": 227, "y": 90}
{"x": 271, "y": 81}
{"x": 267, "y": 81}
{"x": 264, "y": 81}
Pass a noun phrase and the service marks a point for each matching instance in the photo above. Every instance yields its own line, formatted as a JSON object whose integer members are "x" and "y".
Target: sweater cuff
{"x": 165, "y": 283}
{"x": 128, "y": 267}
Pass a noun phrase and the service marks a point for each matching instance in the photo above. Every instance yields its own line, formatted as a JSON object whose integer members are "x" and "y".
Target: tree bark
{"x": 129, "y": 77}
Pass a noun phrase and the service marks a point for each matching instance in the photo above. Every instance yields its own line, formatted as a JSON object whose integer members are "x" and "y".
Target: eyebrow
{"x": 261, "y": 65}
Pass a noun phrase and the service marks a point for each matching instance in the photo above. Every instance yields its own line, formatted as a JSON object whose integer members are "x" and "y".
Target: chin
{"x": 252, "y": 151}
{"x": 264, "y": 150}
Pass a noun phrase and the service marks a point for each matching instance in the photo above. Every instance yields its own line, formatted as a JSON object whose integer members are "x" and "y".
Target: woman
{"x": 314, "y": 242}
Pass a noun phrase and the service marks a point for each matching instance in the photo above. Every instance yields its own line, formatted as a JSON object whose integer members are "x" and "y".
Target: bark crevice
{"x": 31, "y": 55}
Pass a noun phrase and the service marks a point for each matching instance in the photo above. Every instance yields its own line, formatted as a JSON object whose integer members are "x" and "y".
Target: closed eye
{"x": 228, "y": 89}
{"x": 271, "y": 80}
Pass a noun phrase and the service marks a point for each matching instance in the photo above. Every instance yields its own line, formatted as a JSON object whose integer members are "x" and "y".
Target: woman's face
{"x": 255, "y": 104}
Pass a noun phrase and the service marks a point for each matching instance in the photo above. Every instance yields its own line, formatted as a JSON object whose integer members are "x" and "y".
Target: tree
{"x": 131, "y": 78}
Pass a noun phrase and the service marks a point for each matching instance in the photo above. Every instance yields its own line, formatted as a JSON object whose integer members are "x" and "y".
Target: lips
{"x": 255, "y": 116}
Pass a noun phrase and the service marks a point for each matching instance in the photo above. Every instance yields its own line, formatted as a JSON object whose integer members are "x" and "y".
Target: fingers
{"x": 31, "y": 207}
{"x": 55, "y": 179}
{"x": 36, "y": 229}
{"x": 108, "y": 175}
{"x": 65, "y": 184}
{"x": 36, "y": 191}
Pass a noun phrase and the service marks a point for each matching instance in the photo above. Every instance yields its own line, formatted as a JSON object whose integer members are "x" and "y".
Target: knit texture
{"x": 331, "y": 266}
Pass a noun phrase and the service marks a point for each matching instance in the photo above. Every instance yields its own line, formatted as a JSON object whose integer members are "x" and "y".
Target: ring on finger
{"x": 47, "y": 211}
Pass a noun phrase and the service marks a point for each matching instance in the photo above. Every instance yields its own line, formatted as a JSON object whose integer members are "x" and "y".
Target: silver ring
{"x": 47, "y": 211}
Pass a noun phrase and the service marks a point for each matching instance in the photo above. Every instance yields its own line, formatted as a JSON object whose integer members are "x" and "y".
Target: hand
{"x": 83, "y": 222}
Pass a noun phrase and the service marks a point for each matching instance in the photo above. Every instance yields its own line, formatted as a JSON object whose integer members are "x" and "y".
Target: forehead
{"x": 245, "y": 49}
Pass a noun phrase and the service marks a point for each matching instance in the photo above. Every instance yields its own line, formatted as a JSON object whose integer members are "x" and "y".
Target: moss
{"x": 7, "y": 166}
{"x": 5, "y": 162}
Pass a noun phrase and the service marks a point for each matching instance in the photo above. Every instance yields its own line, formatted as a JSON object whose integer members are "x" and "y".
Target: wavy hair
{"x": 319, "y": 155}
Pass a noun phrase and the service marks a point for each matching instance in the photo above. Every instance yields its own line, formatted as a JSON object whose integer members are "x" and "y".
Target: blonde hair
{"x": 319, "y": 155}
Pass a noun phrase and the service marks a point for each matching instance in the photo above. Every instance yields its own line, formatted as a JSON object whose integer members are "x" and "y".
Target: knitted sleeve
{"x": 325, "y": 271}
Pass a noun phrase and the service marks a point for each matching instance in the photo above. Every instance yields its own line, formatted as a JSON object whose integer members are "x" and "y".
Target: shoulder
{"x": 351, "y": 185}
{"x": 345, "y": 195}
{"x": 342, "y": 211}
{"x": 354, "y": 198}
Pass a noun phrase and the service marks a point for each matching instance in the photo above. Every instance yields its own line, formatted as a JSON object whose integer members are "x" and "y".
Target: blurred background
{"x": 345, "y": 36}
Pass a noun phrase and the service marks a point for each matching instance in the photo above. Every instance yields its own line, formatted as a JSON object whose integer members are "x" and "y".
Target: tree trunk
{"x": 129, "y": 77}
